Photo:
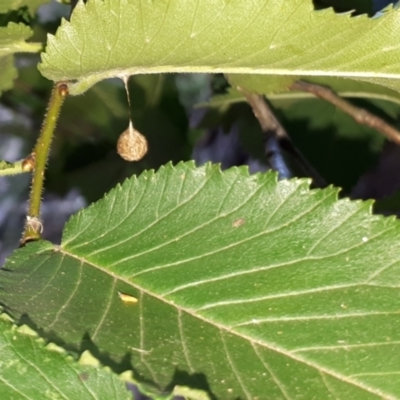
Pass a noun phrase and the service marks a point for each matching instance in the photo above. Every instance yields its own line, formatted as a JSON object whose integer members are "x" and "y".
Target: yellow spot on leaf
{"x": 126, "y": 298}
{"x": 238, "y": 222}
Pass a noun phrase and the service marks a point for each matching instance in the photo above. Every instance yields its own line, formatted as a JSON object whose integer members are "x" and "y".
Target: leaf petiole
{"x": 18, "y": 167}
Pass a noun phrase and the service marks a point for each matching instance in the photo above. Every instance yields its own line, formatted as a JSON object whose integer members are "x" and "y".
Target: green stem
{"x": 33, "y": 227}
{"x": 17, "y": 167}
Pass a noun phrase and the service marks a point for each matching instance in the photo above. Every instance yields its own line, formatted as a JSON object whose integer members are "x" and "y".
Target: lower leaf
{"x": 29, "y": 370}
{"x": 244, "y": 287}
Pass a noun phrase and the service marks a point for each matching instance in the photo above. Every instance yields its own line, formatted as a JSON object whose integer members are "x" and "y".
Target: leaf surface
{"x": 277, "y": 88}
{"x": 12, "y": 40}
{"x": 8, "y": 72}
{"x": 240, "y": 285}
{"x": 132, "y": 37}
{"x": 29, "y": 370}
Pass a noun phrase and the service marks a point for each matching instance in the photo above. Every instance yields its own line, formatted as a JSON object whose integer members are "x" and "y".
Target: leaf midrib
{"x": 236, "y": 70}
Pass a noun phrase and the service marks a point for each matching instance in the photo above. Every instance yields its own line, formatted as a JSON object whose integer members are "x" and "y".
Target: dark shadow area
{"x": 356, "y": 7}
{"x": 339, "y": 160}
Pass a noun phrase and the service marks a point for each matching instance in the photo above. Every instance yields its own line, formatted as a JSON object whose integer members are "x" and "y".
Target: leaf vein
{"x": 40, "y": 372}
{"x": 107, "y": 309}
{"x": 277, "y": 381}
{"x": 233, "y": 368}
{"x": 71, "y": 296}
{"x": 183, "y": 342}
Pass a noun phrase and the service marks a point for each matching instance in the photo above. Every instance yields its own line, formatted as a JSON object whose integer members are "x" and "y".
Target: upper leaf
{"x": 109, "y": 38}
{"x": 29, "y": 370}
{"x": 223, "y": 281}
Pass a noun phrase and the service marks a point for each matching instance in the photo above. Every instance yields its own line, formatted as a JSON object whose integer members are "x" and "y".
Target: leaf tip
{"x": 88, "y": 359}
{"x": 26, "y": 330}
{"x": 5, "y": 317}
{"x": 53, "y": 347}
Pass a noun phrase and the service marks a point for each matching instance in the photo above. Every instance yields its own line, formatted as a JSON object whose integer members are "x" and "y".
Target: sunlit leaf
{"x": 237, "y": 37}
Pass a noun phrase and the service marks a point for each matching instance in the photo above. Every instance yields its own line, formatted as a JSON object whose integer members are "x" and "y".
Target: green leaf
{"x": 12, "y": 40}
{"x": 8, "y": 73}
{"x": 30, "y": 370}
{"x": 135, "y": 37}
{"x": 238, "y": 285}
{"x": 273, "y": 87}
{"x": 33, "y": 5}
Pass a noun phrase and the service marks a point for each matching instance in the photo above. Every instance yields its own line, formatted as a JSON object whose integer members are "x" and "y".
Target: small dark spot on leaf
{"x": 84, "y": 376}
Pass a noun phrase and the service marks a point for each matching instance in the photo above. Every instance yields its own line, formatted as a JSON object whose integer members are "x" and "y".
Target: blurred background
{"x": 173, "y": 113}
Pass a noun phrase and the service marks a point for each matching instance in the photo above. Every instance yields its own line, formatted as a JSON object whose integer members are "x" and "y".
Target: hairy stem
{"x": 33, "y": 227}
{"x": 271, "y": 126}
{"x": 358, "y": 114}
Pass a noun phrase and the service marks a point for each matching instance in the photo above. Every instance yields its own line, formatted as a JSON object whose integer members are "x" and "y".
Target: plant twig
{"x": 34, "y": 227}
{"x": 358, "y": 114}
{"x": 271, "y": 126}
{"x": 17, "y": 167}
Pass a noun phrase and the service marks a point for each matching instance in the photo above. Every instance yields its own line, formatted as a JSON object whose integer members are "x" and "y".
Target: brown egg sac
{"x": 132, "y": 145}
